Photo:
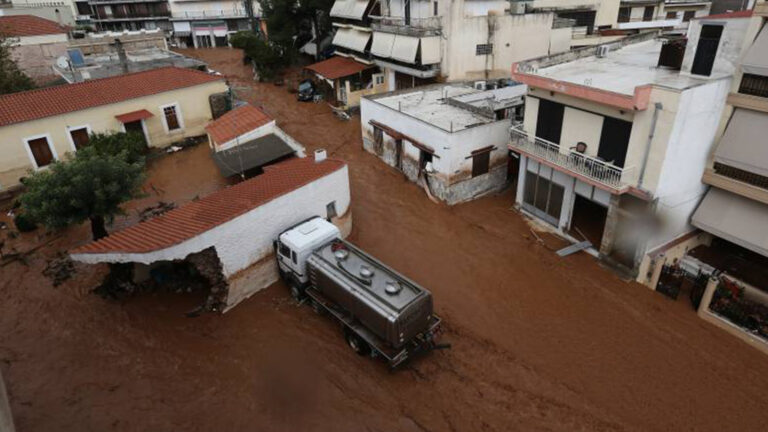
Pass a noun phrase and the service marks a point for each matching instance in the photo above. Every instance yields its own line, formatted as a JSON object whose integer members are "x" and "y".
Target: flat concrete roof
{"x": 621, "y": 70}
{"x": 108, "y": 64}
{"x": 429, "y": 105}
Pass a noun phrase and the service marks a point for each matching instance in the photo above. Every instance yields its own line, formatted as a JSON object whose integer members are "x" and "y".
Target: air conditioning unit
{"x": 602, "y": 50}
{"x": 479, "y": 85}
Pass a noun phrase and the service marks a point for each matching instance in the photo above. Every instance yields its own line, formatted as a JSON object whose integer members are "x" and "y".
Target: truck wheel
{"x": 357, "y": 344}
{"x": 296, "y": 292}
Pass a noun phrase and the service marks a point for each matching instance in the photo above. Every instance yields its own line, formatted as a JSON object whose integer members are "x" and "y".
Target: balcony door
{"x": 706, "y": 50}
{"x": 614, "y": 141}
{"x": 549, "y": 121}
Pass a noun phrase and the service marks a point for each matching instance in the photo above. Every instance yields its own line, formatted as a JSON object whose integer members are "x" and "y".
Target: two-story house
{"x": 613, "y": 146}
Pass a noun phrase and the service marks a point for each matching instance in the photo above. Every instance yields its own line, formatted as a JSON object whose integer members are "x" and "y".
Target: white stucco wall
{"x": 728, "y": 51}
{"x": 692, "y": 137}
{"x": 248, "y": 238}
{"x": 183, "y": 9}
{"x": 514, "y": 38}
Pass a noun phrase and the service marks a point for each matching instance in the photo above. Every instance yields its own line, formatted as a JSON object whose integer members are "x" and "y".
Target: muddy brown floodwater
{"x": 539, "y": 342}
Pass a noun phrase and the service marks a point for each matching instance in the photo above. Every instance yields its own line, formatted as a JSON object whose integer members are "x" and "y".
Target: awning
{"x": 352, "y": 9}
{"x": 405, "y": 48}
{"x": 743, "y": 144}
{"x": 337, "y": 67}
{"x": 350, "y": 38}
{"x": 737, "y": 219}
{"x": 756, "y": 60}
{"x": 252, "y": 154}
{"x": 382, "y": 44}
{"x": 133, "y": 116}
{"x": 182, "y": 28}
{"x": 217, "y": 28}
{"x": 430, "y": 50}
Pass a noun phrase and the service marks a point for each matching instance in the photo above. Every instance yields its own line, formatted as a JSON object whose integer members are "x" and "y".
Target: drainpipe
{"x": 656, "y": 108}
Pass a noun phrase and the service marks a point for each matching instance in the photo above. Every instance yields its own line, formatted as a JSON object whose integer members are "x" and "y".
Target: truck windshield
{"x": 285, "y": 251}
{"x": 305, "y": 86}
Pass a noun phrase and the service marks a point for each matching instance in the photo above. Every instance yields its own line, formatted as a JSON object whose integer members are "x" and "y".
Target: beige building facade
{"x": 163, "y": 119}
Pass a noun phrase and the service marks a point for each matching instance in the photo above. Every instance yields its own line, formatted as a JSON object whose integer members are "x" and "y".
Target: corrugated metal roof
{"x": 337, "y": 67}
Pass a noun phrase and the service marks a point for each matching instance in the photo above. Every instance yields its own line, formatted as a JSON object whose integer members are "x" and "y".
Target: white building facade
{"x": 207, "y": 24}
{"x": 446, "y": 138}
{"x": 422, "y": 42}
{"x": 613, "y": 147}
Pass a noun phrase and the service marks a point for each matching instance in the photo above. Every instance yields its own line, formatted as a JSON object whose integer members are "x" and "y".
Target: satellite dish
{"x": 62, "y": 62}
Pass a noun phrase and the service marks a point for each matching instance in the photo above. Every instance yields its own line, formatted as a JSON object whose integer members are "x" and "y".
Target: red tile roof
{"x": 28, "y": 25}
{"x": 199, "y": 216}
{"x": 52, "y": 101}
{"x": 133, "y": 116}
{"x": 236, "y": 122}
{"x": 337, "y": 67}
{"x": 739, "y": 14}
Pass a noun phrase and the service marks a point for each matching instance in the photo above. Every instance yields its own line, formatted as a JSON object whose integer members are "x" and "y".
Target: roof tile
{"x": 197, "y": 217}
{"x": 236, "y": 122}
{"x": 52, "y": 101}
{"x": 28, "y": 25}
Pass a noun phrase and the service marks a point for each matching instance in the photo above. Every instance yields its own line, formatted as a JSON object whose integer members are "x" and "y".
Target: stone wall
{"x": 102, "y": 43}
{"x": 37, "y": 60}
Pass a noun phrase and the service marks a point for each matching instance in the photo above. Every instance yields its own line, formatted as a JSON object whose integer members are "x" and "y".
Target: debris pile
{"x": 59, "y": 269}
{"x": 156, "y": 210}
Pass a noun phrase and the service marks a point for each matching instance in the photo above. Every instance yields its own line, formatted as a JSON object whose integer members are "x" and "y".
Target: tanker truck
{"x": 381, "y": 312}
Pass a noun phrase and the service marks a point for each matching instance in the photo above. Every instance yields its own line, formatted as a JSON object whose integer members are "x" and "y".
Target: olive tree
{"x": 91, "y": 186}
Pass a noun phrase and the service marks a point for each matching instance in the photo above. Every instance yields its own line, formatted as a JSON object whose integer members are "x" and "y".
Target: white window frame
{"x": 179, "y": 117}
{"x": 31, "y": 155}
{"x": 69, "y": 135}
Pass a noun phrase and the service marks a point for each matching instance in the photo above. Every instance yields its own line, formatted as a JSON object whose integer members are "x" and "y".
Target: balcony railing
{"x": 207, "y": 14}
{"x": 414, "y": 26}
{"x": 592, "y": 168}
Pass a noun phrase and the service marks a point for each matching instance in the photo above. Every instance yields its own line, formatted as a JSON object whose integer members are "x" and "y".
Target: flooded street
{"x": 539, "y": 342}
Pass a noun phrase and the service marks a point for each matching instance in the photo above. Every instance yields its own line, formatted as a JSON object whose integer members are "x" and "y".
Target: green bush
{"x": 24, "y": 223}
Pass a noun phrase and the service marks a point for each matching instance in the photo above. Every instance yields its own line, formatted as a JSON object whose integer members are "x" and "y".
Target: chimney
{"x": 320, "y": 155}
{"x": 121, "y": 55}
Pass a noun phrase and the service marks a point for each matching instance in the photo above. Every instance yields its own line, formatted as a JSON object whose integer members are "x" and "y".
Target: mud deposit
{"x": 539, "y": 342}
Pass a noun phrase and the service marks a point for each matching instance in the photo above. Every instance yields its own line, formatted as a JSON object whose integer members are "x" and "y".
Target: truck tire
{"x": 357, "y": 343}
{"x": 296, "y": 292}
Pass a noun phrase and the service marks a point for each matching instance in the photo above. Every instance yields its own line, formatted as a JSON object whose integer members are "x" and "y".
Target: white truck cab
{"x": 296, "y": 244}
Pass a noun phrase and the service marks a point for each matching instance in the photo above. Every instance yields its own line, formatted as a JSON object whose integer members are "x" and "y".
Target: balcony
{"x": 132, "y": 16}
{"x": 209, "y": 14}
{"x": 587, "y": 167}
{"x": 416, "y": 27}
{"x": 740, "y": 182}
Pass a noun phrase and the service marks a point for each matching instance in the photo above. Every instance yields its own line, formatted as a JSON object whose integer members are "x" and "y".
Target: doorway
{"x": 549, "y": 121}
{"x": 706, "y": 50}
{"x": 614, "y": 141}
{"x": 588, "y": 220}
{"x": 543, "y": 197}
{"x": 138, "y": 128}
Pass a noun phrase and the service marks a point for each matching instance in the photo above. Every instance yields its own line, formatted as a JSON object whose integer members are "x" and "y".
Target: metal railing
{"x": 215, "y": 13}
{"x": 579, "y": 163}
{"x": 414, "y": 26}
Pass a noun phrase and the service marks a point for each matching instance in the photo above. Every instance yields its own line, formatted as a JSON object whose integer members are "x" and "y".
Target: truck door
{"x": 284, "y": 257}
